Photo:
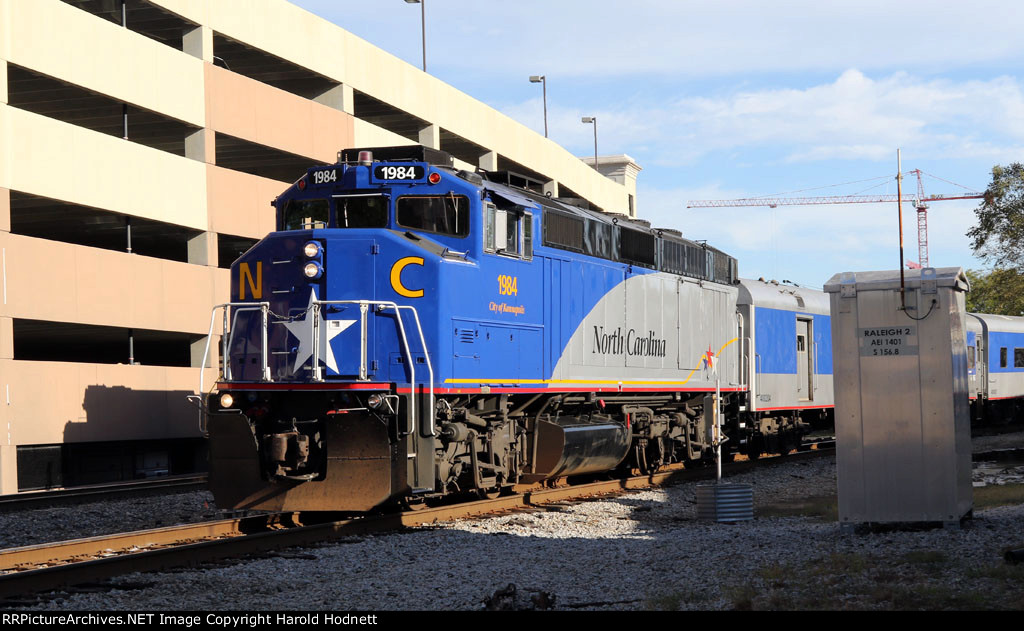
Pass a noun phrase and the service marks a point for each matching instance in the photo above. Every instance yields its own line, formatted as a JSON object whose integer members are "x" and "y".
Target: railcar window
{"x": 508, "y": 232}
{"x": 1018, "y": 358}
{"x": 1002, "y": 357}
{"x": 443, "y": 214}
{"x": 801, "y": 344}
{"x": 304, "y": 214}
{"x": 970, "y": 357}
{"x": 370, "y": 211}
{"x": 490, "y": 214}
{"x": 511, "y": 240}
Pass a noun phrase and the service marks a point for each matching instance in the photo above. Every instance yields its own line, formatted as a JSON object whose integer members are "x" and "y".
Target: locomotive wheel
{"x": 640, "y": 458}
{"x": 413, "y": 504}
{"x": 488, "y": 494}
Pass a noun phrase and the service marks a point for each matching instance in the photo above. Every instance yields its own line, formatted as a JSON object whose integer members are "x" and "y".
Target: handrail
{"x": 757, "y": 373}
{"x": 230, "y": 319}
{"x": 225, "y": 366}
{"x": 363, "y": 310}
{"x": 814, "y": 367}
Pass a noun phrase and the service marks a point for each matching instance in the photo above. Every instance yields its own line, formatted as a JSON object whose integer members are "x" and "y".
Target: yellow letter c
{"x": 396, "y": 277}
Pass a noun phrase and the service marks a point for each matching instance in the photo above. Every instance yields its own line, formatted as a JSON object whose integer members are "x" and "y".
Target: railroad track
{"x": 39, "y": 568}
{"x": 79, "y": 494}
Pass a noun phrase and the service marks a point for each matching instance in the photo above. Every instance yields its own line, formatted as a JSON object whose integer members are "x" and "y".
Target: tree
{"x": 998, "y": 239}
{"x": 1000, "y": 291}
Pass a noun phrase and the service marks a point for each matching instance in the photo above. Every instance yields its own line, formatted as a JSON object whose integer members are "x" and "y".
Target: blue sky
{"x": 734, "y": 98}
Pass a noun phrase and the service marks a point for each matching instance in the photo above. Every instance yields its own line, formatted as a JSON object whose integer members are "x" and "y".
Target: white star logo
{"x": 303, "y": 329}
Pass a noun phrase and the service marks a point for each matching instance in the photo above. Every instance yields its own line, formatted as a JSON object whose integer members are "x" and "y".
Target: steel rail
{"x": 93, "y": 492}
{"x": 43, "y": 567}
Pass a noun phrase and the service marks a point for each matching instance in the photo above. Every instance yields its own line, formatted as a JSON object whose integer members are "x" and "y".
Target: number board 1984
{"x": 393, "y": 172}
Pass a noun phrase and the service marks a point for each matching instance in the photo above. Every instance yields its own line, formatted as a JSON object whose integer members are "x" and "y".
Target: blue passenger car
{"x": 995, "y": 367}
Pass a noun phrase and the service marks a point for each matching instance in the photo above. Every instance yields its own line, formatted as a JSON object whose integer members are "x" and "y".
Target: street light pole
{"x": 544, "y": 85}
{"x": 423, "y": 27}
{"x": 593, "y": 119}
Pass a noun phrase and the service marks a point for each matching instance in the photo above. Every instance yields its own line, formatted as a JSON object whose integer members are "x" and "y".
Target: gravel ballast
{"x": 640, "y": 550}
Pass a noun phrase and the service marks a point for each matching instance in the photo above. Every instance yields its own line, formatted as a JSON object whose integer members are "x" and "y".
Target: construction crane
{"x": 920, "y": 202}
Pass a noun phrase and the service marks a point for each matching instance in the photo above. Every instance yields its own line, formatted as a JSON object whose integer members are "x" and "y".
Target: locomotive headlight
{"x": 226, "y": 400}
{"x": 374, "y": 401}
{"x": 312, "y": 270}
{"x": 311, "y": 249}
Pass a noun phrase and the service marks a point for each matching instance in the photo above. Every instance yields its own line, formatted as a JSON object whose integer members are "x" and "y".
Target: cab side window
{"x": 443, "y": 214}
{"x": 508, "y": 231}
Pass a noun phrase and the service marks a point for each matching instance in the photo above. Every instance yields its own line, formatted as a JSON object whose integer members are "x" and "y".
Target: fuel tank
{"x": 571, "y": 445}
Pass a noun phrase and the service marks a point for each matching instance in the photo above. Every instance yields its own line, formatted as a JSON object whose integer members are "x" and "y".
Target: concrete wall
{"x": 257, "y": 112}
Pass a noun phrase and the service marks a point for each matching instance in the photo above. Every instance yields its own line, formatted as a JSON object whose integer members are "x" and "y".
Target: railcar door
{"x": 804, "y": 389}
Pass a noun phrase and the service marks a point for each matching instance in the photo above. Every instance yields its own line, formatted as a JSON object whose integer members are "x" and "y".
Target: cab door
{"x": 804, "y": 389}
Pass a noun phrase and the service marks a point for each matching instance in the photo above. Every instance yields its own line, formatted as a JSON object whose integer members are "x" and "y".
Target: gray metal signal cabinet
{"x": 903, "y": 443}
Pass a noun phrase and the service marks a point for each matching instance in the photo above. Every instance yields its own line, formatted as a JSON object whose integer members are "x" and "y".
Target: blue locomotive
{"x": 412, "y": 330}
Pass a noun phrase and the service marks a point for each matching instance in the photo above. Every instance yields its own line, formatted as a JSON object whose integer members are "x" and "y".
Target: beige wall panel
{"x": 98, "y": 402}
{"x": 369, "y": 135}
{"x": 308, "y": 40}
{"x": 24, "y": 300}
{"x": 93, "y": 286}
{"x": 255, "y": 111}
{"x": 333, "y": 131}
{"x": 6, "y": 149}
{"x": 3, "y": 69}
{"x": 98, "y": 170}
{"x": 57, "y": 39}
{"x": 239, "y": 203}
{"x": 8, "y": 469}
{"x": 5, "y": 37}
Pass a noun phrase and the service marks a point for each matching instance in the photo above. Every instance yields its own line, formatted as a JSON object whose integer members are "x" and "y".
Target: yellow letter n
{"x": 245, "y": 277}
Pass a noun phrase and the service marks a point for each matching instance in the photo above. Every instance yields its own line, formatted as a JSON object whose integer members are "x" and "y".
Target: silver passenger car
{"x": 786, "y": 361}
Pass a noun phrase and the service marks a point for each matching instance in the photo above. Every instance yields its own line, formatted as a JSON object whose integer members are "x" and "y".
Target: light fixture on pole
{"x": 544, "y": 85}
{"x": 423, "y": 27}
{"x": 592, "y": 119}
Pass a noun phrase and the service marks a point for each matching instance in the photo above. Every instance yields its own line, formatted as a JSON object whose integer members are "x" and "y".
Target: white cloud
{"x": 853, "y": 117}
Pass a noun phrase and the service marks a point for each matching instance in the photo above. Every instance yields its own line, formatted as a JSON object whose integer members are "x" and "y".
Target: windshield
{"x": 362, "y": 211}
{"x": 304, "y": 214}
